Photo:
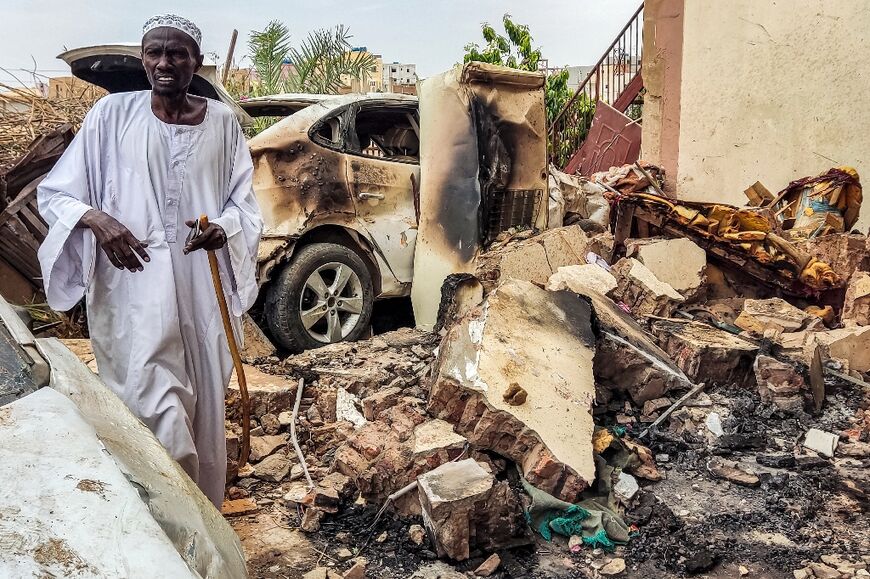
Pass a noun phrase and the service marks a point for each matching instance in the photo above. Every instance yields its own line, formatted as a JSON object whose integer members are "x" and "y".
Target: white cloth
{"x": 157, "y": 334}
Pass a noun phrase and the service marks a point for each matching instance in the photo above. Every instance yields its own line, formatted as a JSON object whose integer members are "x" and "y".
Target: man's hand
{"x": 120, "y": 245}
{"x": 211, "y": 238}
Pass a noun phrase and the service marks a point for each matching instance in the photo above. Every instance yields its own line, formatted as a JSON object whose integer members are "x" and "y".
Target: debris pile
{"x": 633, "y": 400}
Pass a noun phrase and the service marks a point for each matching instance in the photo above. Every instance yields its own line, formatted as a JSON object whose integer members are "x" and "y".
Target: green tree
{"x": 513, "y": 50}
{"x": 321, "y": 63}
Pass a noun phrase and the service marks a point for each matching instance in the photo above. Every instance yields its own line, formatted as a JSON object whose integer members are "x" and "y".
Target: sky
{"x": 430, "y": 34}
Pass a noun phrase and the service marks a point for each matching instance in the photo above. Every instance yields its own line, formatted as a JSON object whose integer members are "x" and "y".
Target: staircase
{"x": 615, "y": 79}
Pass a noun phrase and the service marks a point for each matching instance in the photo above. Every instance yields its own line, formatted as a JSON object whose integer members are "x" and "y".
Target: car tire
{"x": 304, "y": 313}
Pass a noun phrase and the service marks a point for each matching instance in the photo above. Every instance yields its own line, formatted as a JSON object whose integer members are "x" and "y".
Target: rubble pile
{"x": 638, "y": 402}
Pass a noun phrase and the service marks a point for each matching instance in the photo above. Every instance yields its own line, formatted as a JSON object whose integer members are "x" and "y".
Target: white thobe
{"x": 157, "y": 334}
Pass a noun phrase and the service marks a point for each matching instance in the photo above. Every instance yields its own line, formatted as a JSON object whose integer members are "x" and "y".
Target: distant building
{"x": 369, "y": 82}
{"x": 398, "y": 77}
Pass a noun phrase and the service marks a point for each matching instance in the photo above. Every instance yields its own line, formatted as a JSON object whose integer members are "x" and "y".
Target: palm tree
{"x": 320, "y": 65}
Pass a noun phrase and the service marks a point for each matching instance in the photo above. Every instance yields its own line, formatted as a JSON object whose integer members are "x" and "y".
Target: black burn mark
{"x": 312, "y": 179}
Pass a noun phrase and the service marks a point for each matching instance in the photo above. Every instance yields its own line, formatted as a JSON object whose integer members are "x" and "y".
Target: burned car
{"x": 338, "y": 180}
{"x": 337, "y": 184}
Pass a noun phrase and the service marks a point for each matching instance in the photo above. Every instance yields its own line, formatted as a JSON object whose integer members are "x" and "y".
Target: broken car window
{"x": 387, "y": 133}
{"x": 327, "y": 131}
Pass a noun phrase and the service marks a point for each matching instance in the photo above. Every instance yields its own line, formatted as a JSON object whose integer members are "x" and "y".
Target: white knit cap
{"x": 173, "y": 21}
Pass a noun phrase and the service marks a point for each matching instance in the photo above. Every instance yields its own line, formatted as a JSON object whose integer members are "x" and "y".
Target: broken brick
{"x": 642, "y": 291}
{"x": 705, "y": 353}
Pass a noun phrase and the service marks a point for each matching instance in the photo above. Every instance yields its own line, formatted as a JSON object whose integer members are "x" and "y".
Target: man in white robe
{"x": 118, "y": 205}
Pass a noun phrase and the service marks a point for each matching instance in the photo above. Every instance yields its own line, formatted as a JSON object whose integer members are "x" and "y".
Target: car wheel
{"x": 324, "y": 295}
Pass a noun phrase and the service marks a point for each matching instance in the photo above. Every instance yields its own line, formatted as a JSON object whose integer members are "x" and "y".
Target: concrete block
{"x": 464, "y": 508}
{"x": 642, "y": 291}
{"x": 773, "y": 317}
{"x": 706, "y": 354}
{"x": 626, "y": 487}
{"x": 535, "y": 259}
{"x": 263, "y": 446}
{"x": 379, "y": 401}
{"x": 848, "y": 344}
{"x": 436, "y": 435}
{"x": 825, "y": 443}
{"x": 679, "y": 263}
{"x": 543, "y": 342}
{"x": 581, "y": 278}
{"x": 780, "y": 383}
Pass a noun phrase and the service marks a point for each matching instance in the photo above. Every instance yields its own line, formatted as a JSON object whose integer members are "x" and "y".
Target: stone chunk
{"x": 263, "y": 446}
{"x": 679, "y": 263}
{"x": 539, "y": 257}
{"x": 270, "y": 424}
{"x": 237, "y": 507}
{"x": 780, "y": 384}
{"x": 822, "y": 442}
{"x": 626, "y": 487}
{"x": 848, "y": 344}
{"x": 325, "y": 499}
{"x": 257, "y": 345}
{"x": 358, "y": 571}
{"x": 856, "y": 307}
{"x": 773, "y": 317}
{"x": 464, "y": 508}
{"x": 448, "y": 495}
{"x": 655, "y": 405}
{"x": 269, "y": 394}
{"x": 489, "y": 566}
{"x": 822, "y": 571}
{"x": 379, "y": 401}
{"x": 642, "y": 291}
{"x": 706, "y": 354}
{"x": 273, "y": 468}
{"x": 544, "y": 342}
{"x": 311, "y": 520}
{"x": 582, "y": 278}
{"x": 626, "y": 358}
{"x": 436, "y": 435}
{"x": 733, "y": 472}
{"x": 416, "y": 534}
{"x": 614, "y": 567}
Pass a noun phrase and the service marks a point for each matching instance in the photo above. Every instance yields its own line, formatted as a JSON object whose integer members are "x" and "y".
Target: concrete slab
{"x": 581, "y": 278}
{"x": 543, "y": 342}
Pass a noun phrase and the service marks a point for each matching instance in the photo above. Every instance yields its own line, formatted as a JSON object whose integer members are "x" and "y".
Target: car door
{"x": 383, "y": 177}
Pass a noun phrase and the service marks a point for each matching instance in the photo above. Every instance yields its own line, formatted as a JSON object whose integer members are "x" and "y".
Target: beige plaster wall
{"x": 770, "y": 90}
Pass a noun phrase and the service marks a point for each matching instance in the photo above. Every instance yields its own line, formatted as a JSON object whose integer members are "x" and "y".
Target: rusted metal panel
{"x": 614, "y": 140}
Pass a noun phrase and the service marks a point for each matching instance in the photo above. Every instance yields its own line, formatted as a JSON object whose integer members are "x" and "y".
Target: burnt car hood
{"x": 118, "y": 68}
{"x": 281, "y": 105}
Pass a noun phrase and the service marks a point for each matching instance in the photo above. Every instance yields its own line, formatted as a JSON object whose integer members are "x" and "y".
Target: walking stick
{"x": 234, "y": 349}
